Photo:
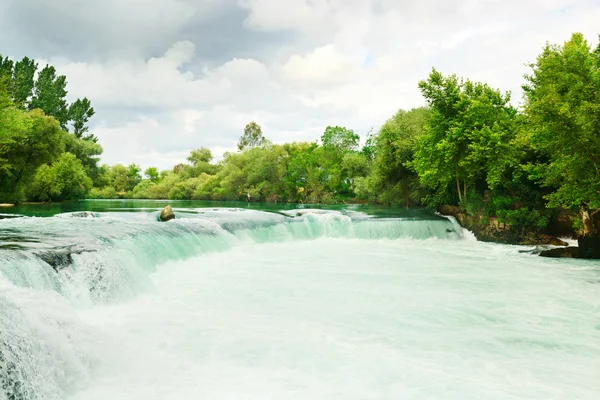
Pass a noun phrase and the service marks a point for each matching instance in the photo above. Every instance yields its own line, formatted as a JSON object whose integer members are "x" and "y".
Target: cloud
{"x": 324, "y": 66}
{"x": 168, "y": 76}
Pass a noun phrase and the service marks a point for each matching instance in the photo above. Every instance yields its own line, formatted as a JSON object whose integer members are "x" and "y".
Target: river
{"x": 238, "y": 301}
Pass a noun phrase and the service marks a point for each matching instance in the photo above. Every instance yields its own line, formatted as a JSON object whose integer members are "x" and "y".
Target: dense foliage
{"x": 39, "y": 159}
{"x": 469, "y": 147}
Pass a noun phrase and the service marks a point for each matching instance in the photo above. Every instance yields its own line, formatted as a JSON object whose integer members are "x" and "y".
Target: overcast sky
{"x": 168, "y": 76}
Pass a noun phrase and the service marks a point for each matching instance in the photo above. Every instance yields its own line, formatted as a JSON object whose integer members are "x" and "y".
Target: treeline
{"x": 261, "y": 171}
{"x": 470, "y": 147}
{"x": 46, "y": 152}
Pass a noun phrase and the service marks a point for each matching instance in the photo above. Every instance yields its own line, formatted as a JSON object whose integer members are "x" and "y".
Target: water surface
{"x": 286, "y": 303}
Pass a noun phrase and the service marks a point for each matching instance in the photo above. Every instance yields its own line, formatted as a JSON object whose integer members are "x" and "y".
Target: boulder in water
{"x": 167, "y": 214}
{"x": 83, "y": 214}
{"x": 61, "y": 257}
{"x": 589, "y": 246}
{"x": 561, "y": 252}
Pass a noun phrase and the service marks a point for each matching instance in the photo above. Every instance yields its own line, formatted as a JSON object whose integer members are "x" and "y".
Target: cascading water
{"x": 233, "y": 303}
{"x": 107, "y": 257}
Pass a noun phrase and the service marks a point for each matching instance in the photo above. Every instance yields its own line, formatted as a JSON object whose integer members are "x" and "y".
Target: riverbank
{"x": 490, "y": 229}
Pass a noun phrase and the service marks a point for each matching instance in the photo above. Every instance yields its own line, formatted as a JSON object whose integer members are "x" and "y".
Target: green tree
{"x": 562, "y": 96}
{"x": 340, "y": 140}
{"x": 27, "y": 140}
{"x": 88, "y": 152}
{"x": 49, "y": 95}
{"x": 71, "y": 177}
{"x": 201, "y": 155}
{"x": 392, "y": 178}
{"x": 19, "y": 79}
{"x": 337, "y": 143}
{"x": 6, "y": 70}
{"x": 152, "y": 174}
{"x": 45, "y": 185}
{"x": 23, "y": 81}
{"x": 200, "y": 160}
{"x": 252, "y": 137}
{"x": 64, "y": 180}
{"x": 79, "y": 114}
{"x": 133, "y": 176}
{"x": 467, "y": 139}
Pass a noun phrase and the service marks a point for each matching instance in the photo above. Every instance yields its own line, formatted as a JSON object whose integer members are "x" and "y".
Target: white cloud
{"x": 324, "y": 66}
{"x": 343, "y": 62}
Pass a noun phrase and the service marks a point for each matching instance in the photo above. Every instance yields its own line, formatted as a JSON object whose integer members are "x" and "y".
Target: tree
{"x": 79, "y": 114}
{"x": 19, "y": 79}
{"x": 393, "y": 179}
{"x": 467, "y": 139}
{"x": 87, "y": 152}
{"x": 562, "y": 97}
{"x": 49, "y": 95}
{"x": 23, "y": 81}
{"x": 201, "y": 155}
{"x": 117, "y": 178}
{"x": 6, "y": 69}
{"x": 133, "y": 176}
{"x": 252, "y": 137}
{"x": 152, "y": 174}
{"x": 337, "y": 143}
{"x": 340, "y": 140}
{"x": 70, "y": 175}
{"x": 45, "y": 185}
{"x": 64, "y": 180}
{"x": 27, "y": 141}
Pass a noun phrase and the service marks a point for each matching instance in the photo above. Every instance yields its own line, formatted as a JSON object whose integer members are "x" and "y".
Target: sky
{"x": 169, "y": 76}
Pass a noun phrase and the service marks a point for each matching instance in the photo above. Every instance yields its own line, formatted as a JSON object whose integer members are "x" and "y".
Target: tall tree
{"x": 6, "y": 68}
{"x": 201, "y": 155}
{"x": 468, "y": 134}
{"x": 152, "y": 174}
{"x": 563, "y": 108}
{"x": 79, "y": 114}
{"x": 393, "y": 179}
{"x": 23, "y": 81}
{"x": 50, "y": 95}
{"x": 252, "y": 137}
{"x": 27, "y": 140}
{"x": 339, "y": 139}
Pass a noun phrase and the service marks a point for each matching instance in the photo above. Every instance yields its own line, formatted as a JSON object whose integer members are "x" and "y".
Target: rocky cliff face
{"x": 490, "y": 229}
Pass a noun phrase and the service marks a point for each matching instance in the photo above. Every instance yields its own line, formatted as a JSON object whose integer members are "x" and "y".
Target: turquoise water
{"x": 283, "y": 303}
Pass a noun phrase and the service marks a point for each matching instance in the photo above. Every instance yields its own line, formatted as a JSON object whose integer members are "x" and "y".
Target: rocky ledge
{"x": 492, "y": 230}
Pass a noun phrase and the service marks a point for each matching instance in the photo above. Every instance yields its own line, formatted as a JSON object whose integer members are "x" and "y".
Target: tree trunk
{"x": 458, "y": 188}
{"x": 589, "y": 240}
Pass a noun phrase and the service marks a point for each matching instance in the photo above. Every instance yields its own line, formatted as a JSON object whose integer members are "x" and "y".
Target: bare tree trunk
{"x": 458, "y": 187}
{"x": 589, "y": 240}
{"x": 465, "y": 190}
{"x": 586, "y": 220}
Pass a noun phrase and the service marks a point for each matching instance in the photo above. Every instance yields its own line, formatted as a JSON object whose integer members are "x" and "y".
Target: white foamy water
{"x": 353, "y": 319}
{"x": 298, "y": 304}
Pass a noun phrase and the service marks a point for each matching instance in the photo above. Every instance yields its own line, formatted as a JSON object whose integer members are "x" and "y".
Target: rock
{"x": 61, "y": 257}
{"x": 561, "y": 252}
{"x": 537, "y": 250}
{"x": 541, "y": 239}
{"x": 449, "y": 210}
{"x": 490, "y": 229}
{"x": 589, "y": 246}
{"x": 83, "y": 214}
{"x": 167, "y": 214}
{"x": 7, "y": 216}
